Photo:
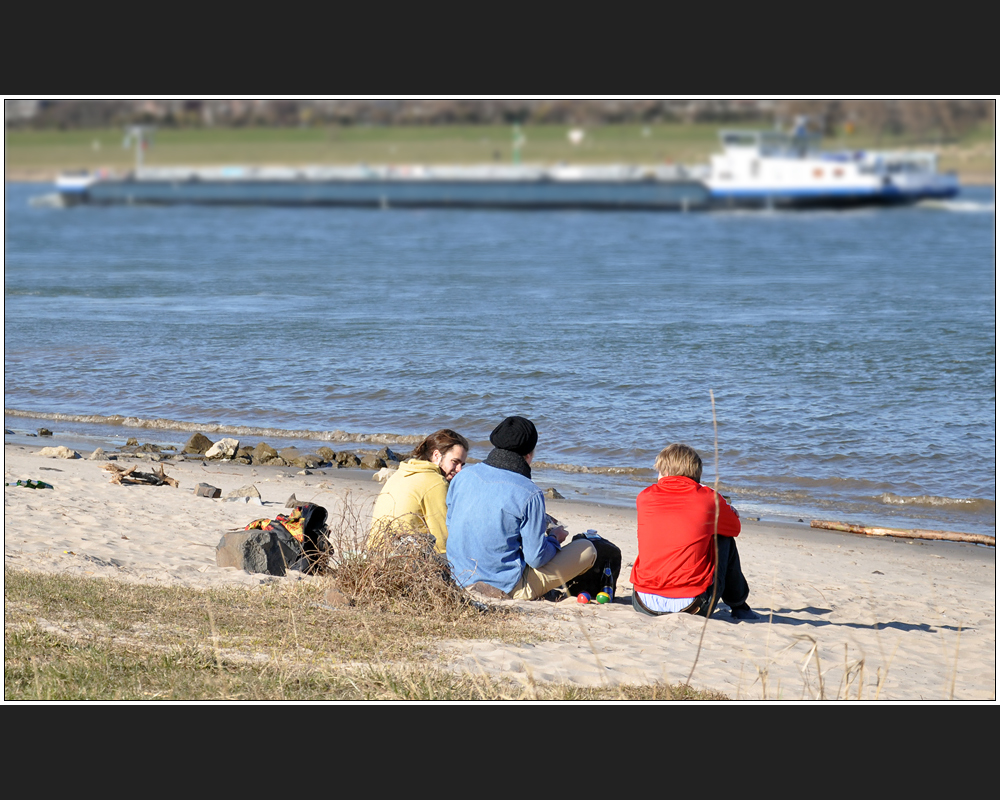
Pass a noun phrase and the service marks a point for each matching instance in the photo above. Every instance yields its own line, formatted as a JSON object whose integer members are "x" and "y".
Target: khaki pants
{"x": 570, "y": 561}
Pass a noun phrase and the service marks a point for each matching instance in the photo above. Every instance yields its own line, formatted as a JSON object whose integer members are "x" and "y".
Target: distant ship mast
{"x": 141, "y": 136}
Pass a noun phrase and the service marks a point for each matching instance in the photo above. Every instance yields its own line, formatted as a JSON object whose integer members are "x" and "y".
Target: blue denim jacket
{"x": 496, "y": 526}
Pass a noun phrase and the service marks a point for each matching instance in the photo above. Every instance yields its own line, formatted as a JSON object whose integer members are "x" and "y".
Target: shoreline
{"x": 363, "y": 482}
{"x": 892, "y": 619}
{"x": 615, "y": 485}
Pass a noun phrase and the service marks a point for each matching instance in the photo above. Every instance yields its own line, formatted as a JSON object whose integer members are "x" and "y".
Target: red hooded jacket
{"x": 676, "y": 523}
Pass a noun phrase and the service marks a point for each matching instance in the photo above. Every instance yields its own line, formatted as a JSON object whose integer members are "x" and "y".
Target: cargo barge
{"x": 505, "y": 187}
{"x": 755, "y": 169}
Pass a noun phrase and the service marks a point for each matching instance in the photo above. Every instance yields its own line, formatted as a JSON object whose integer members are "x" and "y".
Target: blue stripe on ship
{"x": 763, "y": 194}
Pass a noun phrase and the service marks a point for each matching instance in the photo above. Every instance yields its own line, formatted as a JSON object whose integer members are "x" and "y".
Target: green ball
{"x": 603, "y": 597}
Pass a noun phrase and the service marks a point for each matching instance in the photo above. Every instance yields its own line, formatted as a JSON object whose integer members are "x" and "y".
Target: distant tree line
{"x": 941, "y": 118}
{"x": 946, "y": 119}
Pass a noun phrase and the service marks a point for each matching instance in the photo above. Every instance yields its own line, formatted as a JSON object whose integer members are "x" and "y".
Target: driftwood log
{"x": 133, "y": 476}
{"x": 948, "y": 536}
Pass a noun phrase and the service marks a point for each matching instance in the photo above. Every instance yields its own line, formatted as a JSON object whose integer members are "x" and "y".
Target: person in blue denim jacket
{"x": 497, "y": 522}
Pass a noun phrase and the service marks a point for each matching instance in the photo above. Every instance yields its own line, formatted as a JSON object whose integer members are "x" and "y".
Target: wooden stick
{"x": 133, "y": 476}
{"x": 169, "y": 481}
{"x": 949, "y": 536}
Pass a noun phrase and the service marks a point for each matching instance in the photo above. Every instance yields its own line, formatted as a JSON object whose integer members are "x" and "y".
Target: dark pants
{"x": 730, "y": 586}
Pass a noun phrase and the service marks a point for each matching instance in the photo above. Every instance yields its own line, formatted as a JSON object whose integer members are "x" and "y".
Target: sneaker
{"x": 743, "y": 611}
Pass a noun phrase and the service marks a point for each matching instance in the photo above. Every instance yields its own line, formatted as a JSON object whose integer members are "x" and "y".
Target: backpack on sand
{"x": 302, "y": 534}
{"x": 593, "y": 580}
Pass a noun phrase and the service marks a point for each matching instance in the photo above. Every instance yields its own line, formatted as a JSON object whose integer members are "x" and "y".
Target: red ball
{"x": 583, "y": 597}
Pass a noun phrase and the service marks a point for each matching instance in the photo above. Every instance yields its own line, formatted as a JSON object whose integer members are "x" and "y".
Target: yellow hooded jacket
{"x": 413, "y": 498}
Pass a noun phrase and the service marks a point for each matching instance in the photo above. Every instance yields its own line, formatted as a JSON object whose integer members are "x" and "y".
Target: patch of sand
{"x": 843, "y": 616}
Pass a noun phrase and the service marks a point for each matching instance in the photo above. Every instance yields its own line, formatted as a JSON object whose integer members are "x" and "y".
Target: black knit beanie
{"x": 516, "y": 434}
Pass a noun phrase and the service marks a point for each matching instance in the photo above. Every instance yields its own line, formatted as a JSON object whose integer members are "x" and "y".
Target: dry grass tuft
{"x": 395, "y": 570}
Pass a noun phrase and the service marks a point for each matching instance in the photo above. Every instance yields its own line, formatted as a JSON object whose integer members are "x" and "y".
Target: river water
{"x": 851, "y": 354}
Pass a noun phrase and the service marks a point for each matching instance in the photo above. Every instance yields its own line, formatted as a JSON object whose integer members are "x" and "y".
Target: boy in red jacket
{"x": 675, "y": 570}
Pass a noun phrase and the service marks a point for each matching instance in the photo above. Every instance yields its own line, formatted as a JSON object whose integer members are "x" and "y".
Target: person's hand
{"x": 560, "y": 533}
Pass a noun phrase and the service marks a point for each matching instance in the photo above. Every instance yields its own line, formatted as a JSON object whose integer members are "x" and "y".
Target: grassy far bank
{"x": 41, "y": 154}
{"x": 87, "y": 639}
{"x": 351, "y": 145}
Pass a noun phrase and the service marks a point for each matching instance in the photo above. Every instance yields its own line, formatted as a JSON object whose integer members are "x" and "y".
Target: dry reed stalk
{"x": 954, "y": 673}
{"x": 715, "y": 541}
{"x": 883, "y": 675}
{"x": 215, "y": 635}
{"x": 850, "y": 670}
{"x": 37, "y": 680}
{"x": 762, "y": 674}
{"x": 531, "y": 683}
{"x": 476, "y": 676}
{"x": 813, "y": 654}
{"x": 593, "y": 648}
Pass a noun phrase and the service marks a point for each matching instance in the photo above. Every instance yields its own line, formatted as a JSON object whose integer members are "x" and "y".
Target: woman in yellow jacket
{"x": 413, "y": 498}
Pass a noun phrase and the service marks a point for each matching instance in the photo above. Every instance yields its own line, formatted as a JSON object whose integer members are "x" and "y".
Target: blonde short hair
{"x": 680, "y": 460}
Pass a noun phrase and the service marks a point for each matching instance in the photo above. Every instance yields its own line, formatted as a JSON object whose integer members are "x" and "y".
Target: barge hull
{"x": 821, "y": 200}
{"x": 639, "y": 195}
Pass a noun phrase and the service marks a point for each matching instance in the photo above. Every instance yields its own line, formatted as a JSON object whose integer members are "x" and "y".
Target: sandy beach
{"x": 842, "y": 616}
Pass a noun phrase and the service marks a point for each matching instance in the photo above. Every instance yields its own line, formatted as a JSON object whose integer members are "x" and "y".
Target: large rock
{"x": 388, "y": 455}
{"x": 263, "y": 453}
{"x": 244, "y": 491}
{"x": 224, "y": 448}
{"x": 244, "y": 455}
{"x": 140, "y": 449}
{"x": 258, "y": 551}
{"x": 327, "y": 454}
{"x": 371, "y": 461}
{"x": 58, "y": 452}
{"x": 198, "y": 444}
{"x": 346, "y": 459}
